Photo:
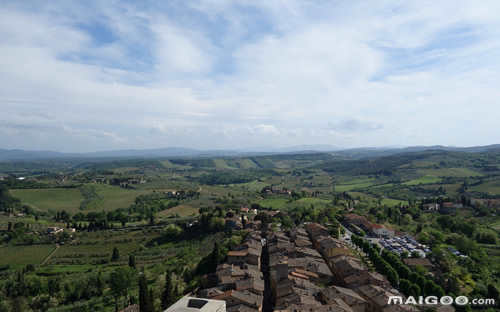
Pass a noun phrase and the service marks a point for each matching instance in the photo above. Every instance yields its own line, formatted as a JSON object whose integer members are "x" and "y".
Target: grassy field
{"x": 98, "y": 246}
{"x": 275, "y": 203}
{"x": 246, "y": 163}
{"x": 449, "y": 172}
{"x": 423, "y": 180}
{"x": 254, "y": 186}
{"x": 354, "y": 184}
{"x": 393, "y": 202}
{"x": 312, "y": 201}
{"x": 50, "y": 199}
{"x": 17, "y": 256}
{"x": 112, "y": 197}
{"x": 221, "y": 164}
{"x": 181, "y": 210}
{"x": 115, "y": 197}
{"x": 491, "y": 187}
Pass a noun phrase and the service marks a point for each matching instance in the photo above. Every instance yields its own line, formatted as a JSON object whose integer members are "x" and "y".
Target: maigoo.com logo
{"x": 445, "y": 300}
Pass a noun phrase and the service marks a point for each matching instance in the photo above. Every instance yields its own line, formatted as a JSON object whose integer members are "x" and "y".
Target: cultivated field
{"x": 18, "y": 256}
{"x": 50, "y": 199}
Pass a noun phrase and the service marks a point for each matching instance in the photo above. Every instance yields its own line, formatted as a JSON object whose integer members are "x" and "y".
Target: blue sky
{"x": 101, "y": 75}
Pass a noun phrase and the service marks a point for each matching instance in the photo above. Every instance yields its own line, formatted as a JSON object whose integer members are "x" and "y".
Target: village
{"x": 303, "y": 269}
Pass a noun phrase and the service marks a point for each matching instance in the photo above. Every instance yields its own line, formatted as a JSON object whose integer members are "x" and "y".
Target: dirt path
{"x": 50, "y": 255}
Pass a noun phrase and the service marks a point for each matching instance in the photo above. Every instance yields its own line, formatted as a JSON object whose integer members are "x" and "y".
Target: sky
{"x": 80, "y": 76}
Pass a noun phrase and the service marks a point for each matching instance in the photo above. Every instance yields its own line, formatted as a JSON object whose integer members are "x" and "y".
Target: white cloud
{"x": 253, "y": 73}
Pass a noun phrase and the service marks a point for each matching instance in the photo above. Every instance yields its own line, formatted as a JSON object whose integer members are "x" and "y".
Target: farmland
{"x": 166, "y": 214}
{"x": 50, "y": 199}
{"x": 19, "y": 256}
{"x": 70, "y": 199}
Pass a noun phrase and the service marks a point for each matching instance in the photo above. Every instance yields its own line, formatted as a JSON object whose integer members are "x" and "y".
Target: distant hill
{"x": 170, "y": 152}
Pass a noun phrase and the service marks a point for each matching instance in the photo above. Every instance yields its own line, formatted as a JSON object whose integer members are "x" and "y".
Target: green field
{"x": 181, "y": 210}
{"x": 491, "y": 187}
{"x": 50, "y": 199}
{"x": 221, "y": 164}
{"x": 23, "y": 255}
{"x": 423, "y": 180}
{"x": 449, "y": 172}
{"x": 312, "y": 201}
{"x": 115, "y": 197}
{"x": 69, "y": 199}
{"x": 393, "y": 202}
{"x": 254, "y": 186}
{"x": 354, "y": 184}
{"x": 247, "y": 164}
{"x": 275, "y": 203}
{"x": 94, "y": 247}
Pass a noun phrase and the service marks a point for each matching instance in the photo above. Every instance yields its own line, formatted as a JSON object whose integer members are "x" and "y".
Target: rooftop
{"x": 190, "y": 304}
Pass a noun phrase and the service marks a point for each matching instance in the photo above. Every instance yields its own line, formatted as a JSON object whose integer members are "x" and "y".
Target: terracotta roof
{"x": 295, "y": 274}
{"x": 337, "y": 291}
{"x": 238, "y": 253}
{"x": 307, "y": 273}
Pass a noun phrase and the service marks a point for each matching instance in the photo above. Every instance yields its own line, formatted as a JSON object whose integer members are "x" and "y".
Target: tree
{"x": 215, "y": 257}
{"x": 415, "y": 290}
{"x": 131, "y": 261}
{"x": 151, "y": 218}
{"x": 151, "y": 305}
{"x": 167, "y": 294}
{"x": 116, "y": 254}
{"x": 145, "y": 300}
{"x": 119, "y": 282}
{"x": 392, "y": 276}
{"x": 404, "y": 285}
{"x": 3, "y": 306}
{"x": 19, "y": 305}
{"x": 54, "y": 286}
{"x": 493, "y": 292}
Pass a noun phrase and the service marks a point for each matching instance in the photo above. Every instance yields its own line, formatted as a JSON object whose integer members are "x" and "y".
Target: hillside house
{"x": 431, "y": 207}
{"x": 53, "y": 230}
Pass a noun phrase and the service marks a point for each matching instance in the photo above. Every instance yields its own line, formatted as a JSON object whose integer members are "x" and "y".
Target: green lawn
{"x": 17, "y": 256}
{"x": 55, "y": 199}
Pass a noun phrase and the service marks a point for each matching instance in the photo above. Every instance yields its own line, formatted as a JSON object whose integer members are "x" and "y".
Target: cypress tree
{"x": 167, "y": 295}
{"x": 151, "y": 305}
{"x": 214, "y": 257}
{"x": 131, "y": 261}
{"x": 116, "y": 255}
{"x": 143, "y": 294}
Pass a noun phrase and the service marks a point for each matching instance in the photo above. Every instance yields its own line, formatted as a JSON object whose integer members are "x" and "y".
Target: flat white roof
{"x": 190, "y": 304}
